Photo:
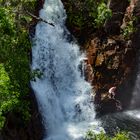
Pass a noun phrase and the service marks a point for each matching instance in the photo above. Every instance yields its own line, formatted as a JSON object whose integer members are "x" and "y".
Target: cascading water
{"x": 135, "y": 101}
{"x": 62, "y": 93}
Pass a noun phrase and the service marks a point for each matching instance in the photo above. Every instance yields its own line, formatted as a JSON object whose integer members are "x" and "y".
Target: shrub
{"x": 88, "y": 13}
{"x": 103, "y": 13}
{"x": 14, "y": 59}
{"x": 129, "y": 29}
{"x": 90, "y": 135}
{"x": 36, "y": 74}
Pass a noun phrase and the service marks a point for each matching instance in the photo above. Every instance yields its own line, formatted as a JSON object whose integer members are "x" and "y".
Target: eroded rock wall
{"x": 112, "y": 56}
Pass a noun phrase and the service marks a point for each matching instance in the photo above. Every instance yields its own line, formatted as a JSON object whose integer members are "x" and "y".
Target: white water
{"x": 62, "y": 93}
{"x": 134, "y": 113}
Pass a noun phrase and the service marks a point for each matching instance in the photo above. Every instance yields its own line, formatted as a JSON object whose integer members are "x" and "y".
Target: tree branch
{"x": 38, "y": 18}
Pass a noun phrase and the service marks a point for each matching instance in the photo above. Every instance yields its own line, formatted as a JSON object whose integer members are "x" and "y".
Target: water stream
{"x": 63, "y": 95}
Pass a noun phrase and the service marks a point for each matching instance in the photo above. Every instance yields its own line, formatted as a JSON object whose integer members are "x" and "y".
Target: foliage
{"x": 121, "y": 136}
{"x": 88, "y": 13}
{"x": 36, "y": 74}
{"x": 92, "y": 136}
{"x": 102, "y": 136}
{"x": 103, "y": 13}
{"x": 9, "y": 98}
{"x": 129, "y": 29}
{"x": 14, "y": 57}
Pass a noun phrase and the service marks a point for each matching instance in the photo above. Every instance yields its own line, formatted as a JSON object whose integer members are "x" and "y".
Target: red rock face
{"x": 88, "y": 72}
{"x": 110, "y": 61}
{"x": 114, "y": 60}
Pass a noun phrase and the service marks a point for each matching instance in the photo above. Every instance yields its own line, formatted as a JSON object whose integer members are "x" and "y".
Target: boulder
{"x": 109, "y": 106}
{"x": 99, "y": 60}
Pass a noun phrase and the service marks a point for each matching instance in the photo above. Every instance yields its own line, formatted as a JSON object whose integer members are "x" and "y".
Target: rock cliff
{"x": 112, "y": 52}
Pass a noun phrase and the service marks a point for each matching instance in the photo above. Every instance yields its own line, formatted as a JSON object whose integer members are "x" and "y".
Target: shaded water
{"x": 128, "y": 121}
{"x": 135, "y": 102}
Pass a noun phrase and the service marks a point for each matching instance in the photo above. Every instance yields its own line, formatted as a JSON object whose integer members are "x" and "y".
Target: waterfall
{"x": 63, "y": 95}
{"x": 135, "y": 102}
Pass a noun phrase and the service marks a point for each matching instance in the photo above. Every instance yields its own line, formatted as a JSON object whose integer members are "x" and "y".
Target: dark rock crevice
{"x": 118, "y": 8}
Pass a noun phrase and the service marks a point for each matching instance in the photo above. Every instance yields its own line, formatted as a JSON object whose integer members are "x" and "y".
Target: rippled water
{"x": 128, "y": 121}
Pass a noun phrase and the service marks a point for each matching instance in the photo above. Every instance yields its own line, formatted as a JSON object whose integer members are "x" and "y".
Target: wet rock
{"x": 95, "y": 42}
{"x": 92, "y": 48}
{"x": 110, "y": 53}
{"x": 108, "y": 106}
{"x": 88, "y": 73}
{"x": 111, "y": 41}
{"x": 136, "y": 10}
{"x": 129, "y": 13}
{"x": 99, "y": 60}
{"x": 114, "y": 61}
{"x": 136, "y": 37}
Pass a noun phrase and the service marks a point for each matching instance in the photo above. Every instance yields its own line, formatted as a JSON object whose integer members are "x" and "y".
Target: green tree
{"x": 88, "y": 13}
{"x": 15, "y": 49}
{"x": 90, "y": 135}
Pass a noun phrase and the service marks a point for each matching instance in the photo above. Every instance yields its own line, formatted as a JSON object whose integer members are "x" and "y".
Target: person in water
{"x": 112, "y": 93}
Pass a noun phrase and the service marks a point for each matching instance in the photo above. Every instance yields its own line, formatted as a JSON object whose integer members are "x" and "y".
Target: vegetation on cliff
{"x": 14, "y": 57}
{"x": 102, "y": 136}
{"x": 85, "y": 17}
